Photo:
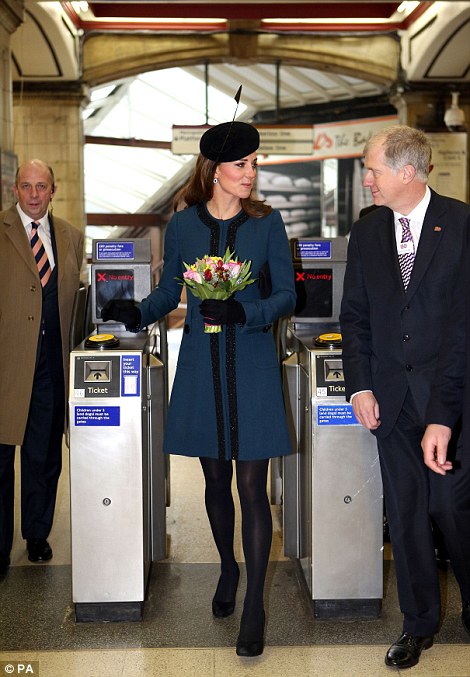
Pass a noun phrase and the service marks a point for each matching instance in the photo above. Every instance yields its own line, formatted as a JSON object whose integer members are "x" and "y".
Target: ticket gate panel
{"x": 158, "y": 475}
{"x": 347, "y": 497}
{"x": 119, "y": 476}
{"x": 107, "y": 466}
{"x": 332, "y": 487}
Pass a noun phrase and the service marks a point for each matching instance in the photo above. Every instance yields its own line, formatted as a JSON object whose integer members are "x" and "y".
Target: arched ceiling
{"x": 433, "y": 35}
{"x": 308, "y": 54}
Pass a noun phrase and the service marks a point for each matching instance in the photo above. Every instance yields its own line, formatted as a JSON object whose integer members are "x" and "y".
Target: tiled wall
{"x": 49, "y": 128}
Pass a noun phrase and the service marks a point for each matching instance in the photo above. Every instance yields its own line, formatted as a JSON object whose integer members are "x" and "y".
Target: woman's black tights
{"x": 256, "y": 532}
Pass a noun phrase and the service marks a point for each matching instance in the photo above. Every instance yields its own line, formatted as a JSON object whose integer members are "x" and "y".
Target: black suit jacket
{"x": 391, "y": 339}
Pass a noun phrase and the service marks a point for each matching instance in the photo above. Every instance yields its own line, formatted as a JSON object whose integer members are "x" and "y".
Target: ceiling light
{"x": 407, "y": 6}
{"x": 80, "y": 7}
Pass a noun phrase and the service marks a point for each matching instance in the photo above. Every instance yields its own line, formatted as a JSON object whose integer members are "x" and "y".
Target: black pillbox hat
{"x": 229, "y": 141}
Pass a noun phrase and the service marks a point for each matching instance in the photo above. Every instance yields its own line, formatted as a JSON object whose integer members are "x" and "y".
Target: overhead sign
{"x": 275, "y": 140}
{"x": 282, "y": 140}
{"x": 341, "y": 139}
{"x": 348, "y": 138}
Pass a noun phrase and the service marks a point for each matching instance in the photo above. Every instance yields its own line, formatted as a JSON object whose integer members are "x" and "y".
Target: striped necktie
{"x": 44, "y": 267}
{"x": 406, "y": 260}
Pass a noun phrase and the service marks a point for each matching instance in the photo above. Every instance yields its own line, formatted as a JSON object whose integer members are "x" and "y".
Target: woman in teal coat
{"x": 226, "y": 402}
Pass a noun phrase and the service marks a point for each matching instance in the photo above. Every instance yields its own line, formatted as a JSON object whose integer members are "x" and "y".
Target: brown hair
{"x": 200, "y": 188}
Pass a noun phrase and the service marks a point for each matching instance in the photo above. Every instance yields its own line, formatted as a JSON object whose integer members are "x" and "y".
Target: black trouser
{"x": 41, "y": 462}
{"x": 413, "y": 495}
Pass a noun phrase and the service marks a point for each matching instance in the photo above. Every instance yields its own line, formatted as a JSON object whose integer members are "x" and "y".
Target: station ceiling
{"x": 121, "y": 107}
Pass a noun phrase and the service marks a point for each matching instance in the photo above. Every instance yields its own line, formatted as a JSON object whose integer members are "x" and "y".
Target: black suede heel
{"x": 223, "y": 609}
{"x": 250, "y": 648}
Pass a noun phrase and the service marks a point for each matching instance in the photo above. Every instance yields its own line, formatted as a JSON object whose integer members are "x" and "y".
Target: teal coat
{"x": 226, "y": 401}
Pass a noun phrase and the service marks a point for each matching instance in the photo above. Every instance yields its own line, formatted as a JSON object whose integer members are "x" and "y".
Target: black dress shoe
{"x": 250, "y": 648}
{"x": 223, "y": 609}
{"x": 39, "y": 550}
{"x": 4, "y": 564}
{"x": 405, "y": 652}
{"x": 466, "y": 616}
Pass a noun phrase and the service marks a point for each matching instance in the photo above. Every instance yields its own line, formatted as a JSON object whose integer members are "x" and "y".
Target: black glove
{"x": 222, "y": 312}
{"x": 123, "y": 311}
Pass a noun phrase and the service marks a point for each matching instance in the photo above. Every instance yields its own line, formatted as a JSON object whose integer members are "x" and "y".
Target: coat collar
{"x": 16, "y": 232}
{"x": 62, "y": 242}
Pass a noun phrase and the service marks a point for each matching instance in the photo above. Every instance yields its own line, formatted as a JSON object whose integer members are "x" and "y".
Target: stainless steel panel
{"x": 107, "y": 486}
{"x": 332, "y": 484}
{"x": 158, "y": 462}
{"x": 347, "y": 534}
{"x": 291, "y": 463}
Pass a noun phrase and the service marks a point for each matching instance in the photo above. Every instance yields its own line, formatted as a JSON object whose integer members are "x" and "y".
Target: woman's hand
{"x": 222, "y": 312}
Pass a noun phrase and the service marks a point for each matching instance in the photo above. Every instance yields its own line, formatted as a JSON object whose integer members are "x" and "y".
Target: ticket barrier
{"x": 332, "y": 488}
{"x": 118, "y": 473}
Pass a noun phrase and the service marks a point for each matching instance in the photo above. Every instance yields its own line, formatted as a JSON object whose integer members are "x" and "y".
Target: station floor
{"x": 178, "y": 636}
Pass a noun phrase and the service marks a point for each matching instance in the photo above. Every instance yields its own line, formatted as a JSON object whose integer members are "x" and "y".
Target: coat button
{"x": 267, "y": 328}
{"x": 406, "y": 337}
{"x": 186, "y": 329}
{"x": 32, "y": 288}
{"x": 409, "y": 367}
{"x": 30, "y": 317}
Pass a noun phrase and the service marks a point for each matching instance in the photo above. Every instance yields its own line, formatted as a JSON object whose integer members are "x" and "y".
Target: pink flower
{"x": 192, "y": 275}
{"x": 234, "y": 268}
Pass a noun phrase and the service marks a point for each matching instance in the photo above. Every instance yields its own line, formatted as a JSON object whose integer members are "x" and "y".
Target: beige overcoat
{"x": 20, "y": 314}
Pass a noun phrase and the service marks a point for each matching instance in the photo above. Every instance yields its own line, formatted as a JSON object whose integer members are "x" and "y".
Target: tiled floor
{"x": 356, "y": 661}
{"x": 178, "y": 636}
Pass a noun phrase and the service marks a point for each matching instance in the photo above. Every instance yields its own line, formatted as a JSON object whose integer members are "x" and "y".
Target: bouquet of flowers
{"x": 216, "y": 277}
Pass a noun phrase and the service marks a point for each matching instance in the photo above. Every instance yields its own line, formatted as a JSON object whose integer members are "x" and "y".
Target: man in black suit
{"x": 403, "y": 267}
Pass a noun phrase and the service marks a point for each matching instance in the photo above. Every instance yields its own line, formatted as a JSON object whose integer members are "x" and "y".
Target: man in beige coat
{"x": 40, "y": 262}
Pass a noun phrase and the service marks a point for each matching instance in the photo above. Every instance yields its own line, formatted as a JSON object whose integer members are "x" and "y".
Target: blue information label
{"x": 130, "y": 375}
{"x": 108, "y": 251}
{"x": 97, "y": 416}
{"x": 313, "y": 249}
{"x": 336, "y": 414}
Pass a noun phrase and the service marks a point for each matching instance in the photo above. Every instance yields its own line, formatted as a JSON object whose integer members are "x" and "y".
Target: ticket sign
{"x": 96, "y": 416}
{"x": 130, "y": 375}
{"x": 114, "y": 249}
{"x": 339, "y": 414}
{"x": 312, "y": 249}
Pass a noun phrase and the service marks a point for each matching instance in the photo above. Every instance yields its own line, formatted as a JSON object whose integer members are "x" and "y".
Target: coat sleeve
{"x": 452, "y": 375}
{"x": 281, "y": 301}
{"x": 166, "y": 295}
{"x": 355, "y": 323}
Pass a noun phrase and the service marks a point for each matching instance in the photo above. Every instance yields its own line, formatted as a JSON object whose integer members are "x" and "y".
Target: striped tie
{"x": 44, "y": 267}
{"x": 406, "y": 261}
